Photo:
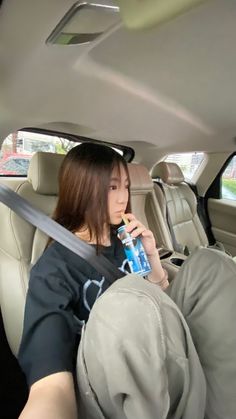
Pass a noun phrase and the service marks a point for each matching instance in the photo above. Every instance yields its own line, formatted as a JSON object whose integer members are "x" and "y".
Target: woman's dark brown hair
{"x": 84, "y": 180}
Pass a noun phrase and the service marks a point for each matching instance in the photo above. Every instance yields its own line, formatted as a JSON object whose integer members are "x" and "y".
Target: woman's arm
{"x": 49, "y": 340}
{"x": 135, "y": 228}
{"x": 158, "y": 274}
{"x": 52, "y": 397}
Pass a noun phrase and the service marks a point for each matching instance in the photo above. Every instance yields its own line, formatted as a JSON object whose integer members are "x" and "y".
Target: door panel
{"x": 222, "y": 214}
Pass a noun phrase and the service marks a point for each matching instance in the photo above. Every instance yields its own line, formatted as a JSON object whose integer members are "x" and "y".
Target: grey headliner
{"x": 170, "y": 88}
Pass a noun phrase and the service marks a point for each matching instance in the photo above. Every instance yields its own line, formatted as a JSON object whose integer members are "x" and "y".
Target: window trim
{"x": 128, "y": 152}
{"x": 214, "y": 190}
{"x": 230, "y": 158}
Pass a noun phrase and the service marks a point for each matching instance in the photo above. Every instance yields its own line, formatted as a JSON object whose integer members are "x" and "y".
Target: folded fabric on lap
{"x": 136, "y": 357}
{"x": 205, "y": 292}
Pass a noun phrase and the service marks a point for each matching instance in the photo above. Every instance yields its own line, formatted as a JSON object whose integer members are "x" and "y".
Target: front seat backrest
{"x": 145, "y": 205}
{"x": 181, "y": 204}
{"x": 22, "y": 243}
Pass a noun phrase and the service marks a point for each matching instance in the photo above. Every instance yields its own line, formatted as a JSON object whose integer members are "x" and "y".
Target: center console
{"x": 171, "y": 261}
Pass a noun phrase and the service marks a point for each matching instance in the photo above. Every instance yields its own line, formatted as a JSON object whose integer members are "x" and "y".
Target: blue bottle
{"x": 135, "y": 253}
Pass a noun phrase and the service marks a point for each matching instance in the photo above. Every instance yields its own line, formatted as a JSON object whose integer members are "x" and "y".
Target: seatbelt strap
{"x": 59, "y": 233}
{"x": 202, "y": 213}
{"x": 199, "y": 204}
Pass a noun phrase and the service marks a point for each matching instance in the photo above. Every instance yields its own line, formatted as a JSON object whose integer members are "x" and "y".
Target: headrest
{"x": 43, "y": 172}
{"x": 169, "y": 173}
{"x": 139, "y": 177}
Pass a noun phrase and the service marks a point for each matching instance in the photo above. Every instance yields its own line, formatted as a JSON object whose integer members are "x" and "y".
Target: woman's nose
{"x": 123, "y": 195}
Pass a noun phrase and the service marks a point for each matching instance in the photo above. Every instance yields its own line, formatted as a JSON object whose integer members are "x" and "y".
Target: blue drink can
{"x": 135, "y": 253}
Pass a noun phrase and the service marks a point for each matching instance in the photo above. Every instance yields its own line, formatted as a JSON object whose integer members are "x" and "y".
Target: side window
{"x": 188, "y": 162}
{"x": 18, "y": 148}
{"x": 228, "y": 181}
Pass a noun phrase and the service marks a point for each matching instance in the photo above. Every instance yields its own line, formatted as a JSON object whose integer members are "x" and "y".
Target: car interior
{"x": 180, "y": 204}
{"x": 156, "y": 81}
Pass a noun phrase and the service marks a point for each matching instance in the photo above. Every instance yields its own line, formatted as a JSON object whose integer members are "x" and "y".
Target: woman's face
{"x": 118, "y": 195}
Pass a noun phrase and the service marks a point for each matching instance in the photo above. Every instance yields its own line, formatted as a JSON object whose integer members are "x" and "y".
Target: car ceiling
{"x": 168, "y": 88}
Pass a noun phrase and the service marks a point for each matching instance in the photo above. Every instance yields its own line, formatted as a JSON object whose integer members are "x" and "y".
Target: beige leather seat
{"x": 145, "y": 205}
{"x": 181, "y": 203}
{"x": 21, "y": 243}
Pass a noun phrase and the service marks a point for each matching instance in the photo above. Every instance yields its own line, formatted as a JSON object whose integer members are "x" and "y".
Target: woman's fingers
{"x": 138, "y": 231}
{"x": 133, "y": 223}
{"x": 136, "y": 228}
{"x": 129, "y": 216}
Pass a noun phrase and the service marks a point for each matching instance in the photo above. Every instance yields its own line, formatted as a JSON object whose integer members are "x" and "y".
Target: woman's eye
{"x": 113, "y": 187}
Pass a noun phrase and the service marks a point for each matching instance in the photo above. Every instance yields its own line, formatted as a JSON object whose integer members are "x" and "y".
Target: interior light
{"x": 83, "y": 23}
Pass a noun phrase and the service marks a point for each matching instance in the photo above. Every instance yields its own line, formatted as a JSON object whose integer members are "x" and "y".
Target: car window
{"x": 228, "y": 181}
{"x": 15, "y": 165}
{"x": 18, "y": 148}
{"x": 188, "y": 162}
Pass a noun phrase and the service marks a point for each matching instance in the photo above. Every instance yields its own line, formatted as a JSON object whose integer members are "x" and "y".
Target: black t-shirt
{"x": 62, "y": 290}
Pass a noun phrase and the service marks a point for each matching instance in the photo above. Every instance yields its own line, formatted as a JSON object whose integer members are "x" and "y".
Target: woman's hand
{"x": 137, "y": 229}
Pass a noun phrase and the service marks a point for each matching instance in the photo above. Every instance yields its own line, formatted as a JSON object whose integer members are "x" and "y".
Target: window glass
{"x": 228, "y": 181}
{"x": 18, "y": 148}
{"x": 188, "y": 162}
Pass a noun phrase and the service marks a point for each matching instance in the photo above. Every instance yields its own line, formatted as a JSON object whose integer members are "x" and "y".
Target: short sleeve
{"x": 50, "y": 328}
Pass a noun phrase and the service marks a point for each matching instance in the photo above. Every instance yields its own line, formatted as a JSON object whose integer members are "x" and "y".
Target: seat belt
{"x": 202, "y": 213}
{"x": 59, "y": 233}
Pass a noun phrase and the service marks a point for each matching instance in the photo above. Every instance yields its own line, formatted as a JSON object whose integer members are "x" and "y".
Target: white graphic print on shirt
{"x": 99, "y": 284}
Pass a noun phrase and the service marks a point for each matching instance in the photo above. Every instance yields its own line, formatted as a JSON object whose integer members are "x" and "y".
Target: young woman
{"x": 93, "y": 196}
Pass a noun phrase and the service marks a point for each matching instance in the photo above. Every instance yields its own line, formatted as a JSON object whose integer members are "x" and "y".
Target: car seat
{"x": 178, "y": 203}
{"x": 145, "y": 205}
{"x": 22, "y": 243}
